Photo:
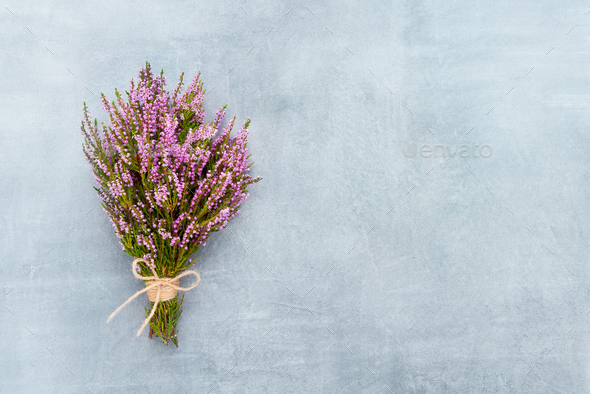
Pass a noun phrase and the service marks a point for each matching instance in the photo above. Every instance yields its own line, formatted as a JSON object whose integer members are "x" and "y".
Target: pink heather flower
{"x": 165, "y": 180}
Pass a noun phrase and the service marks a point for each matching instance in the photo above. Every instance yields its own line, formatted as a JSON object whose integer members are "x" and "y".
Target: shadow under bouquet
{"x": 166, "y": 182}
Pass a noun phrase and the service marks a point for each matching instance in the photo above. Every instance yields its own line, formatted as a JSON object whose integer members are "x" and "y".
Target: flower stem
{"x": 165, "y": 320}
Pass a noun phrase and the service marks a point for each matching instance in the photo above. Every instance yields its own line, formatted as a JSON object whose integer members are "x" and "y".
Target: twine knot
{"x": 158, "y": 289}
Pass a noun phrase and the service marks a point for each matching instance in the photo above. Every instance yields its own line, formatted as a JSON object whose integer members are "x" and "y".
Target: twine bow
{"x": 158, "y": 289}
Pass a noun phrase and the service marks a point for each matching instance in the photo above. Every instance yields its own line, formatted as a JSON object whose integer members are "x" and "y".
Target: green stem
{"x": 165, "y": 320}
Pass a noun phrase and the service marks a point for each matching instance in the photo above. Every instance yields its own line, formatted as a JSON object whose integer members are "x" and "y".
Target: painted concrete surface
{"x": 422, "y": 225}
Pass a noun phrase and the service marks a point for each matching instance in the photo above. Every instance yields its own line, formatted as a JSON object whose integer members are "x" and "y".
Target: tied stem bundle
{"x": 167, "y": 180}
{"x": 164, "y": 288}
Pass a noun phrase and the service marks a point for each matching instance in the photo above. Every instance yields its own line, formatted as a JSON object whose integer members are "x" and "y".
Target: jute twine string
{"x": 158, "y": 289}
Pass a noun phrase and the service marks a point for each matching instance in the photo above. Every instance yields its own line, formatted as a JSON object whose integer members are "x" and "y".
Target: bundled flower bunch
{"x": 166, "y": 181}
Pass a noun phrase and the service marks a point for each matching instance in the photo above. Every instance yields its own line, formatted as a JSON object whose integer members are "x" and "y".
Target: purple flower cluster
{"x": 165, "y": 180}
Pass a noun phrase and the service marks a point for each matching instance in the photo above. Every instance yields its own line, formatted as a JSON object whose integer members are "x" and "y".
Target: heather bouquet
{"x": 167, "y": 179}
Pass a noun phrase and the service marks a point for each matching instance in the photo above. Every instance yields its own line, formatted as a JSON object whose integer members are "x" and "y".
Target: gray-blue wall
{"x": 362, "y": 262}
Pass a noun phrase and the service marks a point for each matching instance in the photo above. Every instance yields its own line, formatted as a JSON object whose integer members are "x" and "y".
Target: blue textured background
{"x": 352, "y": 267}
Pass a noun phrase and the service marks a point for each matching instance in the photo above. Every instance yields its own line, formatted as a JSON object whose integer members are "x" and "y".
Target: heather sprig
{"x": 166, "y": 177}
